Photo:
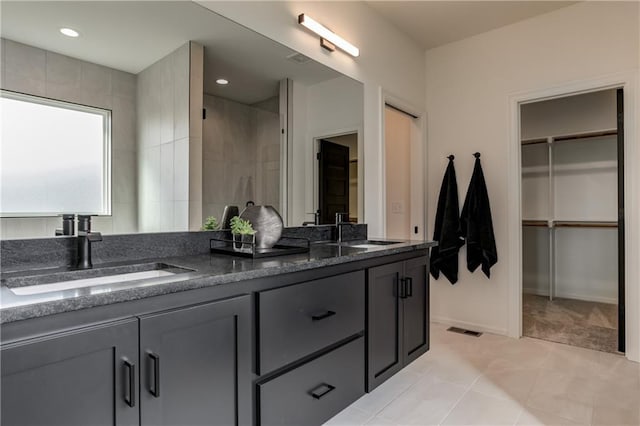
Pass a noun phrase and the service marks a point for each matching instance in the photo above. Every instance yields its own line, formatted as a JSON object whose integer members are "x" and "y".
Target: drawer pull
{"x": 402, "y": 287}
{"x": 321, "y": 390}
{"x": 155, "y": 389}
{"x": 322, "y": 316}
{"x": 130, "y": 396}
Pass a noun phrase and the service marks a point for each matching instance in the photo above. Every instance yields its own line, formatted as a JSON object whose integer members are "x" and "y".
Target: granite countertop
{"x": 201, "y": 271}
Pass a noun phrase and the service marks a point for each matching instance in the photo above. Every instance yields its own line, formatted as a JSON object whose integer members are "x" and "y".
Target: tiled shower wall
{"x": 241, "y": 155}
{"x": 39, "y": 72}
{"x": 163, "y": 143}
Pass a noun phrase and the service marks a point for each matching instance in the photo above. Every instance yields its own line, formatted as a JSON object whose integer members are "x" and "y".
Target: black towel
{"x": 444, "y": 257}
{"x": 476, "y": 224}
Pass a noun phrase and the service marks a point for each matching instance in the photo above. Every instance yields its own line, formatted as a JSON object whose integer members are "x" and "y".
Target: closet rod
{"x": 584, "y": 224}
{"x": 572, "y": 136}
{"x": 534, "y": 141}
{"x": 586, "y": 135}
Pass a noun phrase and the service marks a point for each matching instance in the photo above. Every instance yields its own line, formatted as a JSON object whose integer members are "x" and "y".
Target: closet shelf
{"x": 571, "y": 136}
{"x": 584, "y": 224}
{"x": 539, "y": 223}
{"x": 570, "y": 223}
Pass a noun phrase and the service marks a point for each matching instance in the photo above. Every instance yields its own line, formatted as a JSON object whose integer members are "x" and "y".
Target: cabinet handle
{"x": 409, "y": 284}
{"x": 317, "y": 392}
{"x": 402, "y": 288}
{"x": 155, "y": 389}
{"x": 322, "y": 316}
{"x": 130, "y": 395}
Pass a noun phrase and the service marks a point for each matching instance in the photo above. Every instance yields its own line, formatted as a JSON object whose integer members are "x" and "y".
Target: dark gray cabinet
{"x": 196, "y": 364}
{"x": 315, "y": 391}
{"x": 398, "y": 317}
{"x": 87, "y": 376}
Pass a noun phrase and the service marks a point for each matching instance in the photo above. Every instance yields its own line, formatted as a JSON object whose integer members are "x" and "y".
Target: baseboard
{"x": 469, "y": 326}
{"x": 537, "y": 292}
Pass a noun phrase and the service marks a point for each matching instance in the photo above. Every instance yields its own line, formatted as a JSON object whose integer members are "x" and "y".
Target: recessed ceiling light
{"x": 222, "y": 81}
{"x": 69, "y": 32}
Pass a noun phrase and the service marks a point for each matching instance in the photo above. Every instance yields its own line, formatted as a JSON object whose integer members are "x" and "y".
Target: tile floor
{"x": 495, "y": 380}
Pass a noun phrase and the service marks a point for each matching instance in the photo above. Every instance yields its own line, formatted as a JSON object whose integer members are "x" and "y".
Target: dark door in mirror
{"x": 334, "y": 180}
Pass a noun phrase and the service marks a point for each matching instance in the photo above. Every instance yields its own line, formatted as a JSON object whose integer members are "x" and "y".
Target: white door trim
{"x": 629, "y": 82}
{"x": 418, "y": 143}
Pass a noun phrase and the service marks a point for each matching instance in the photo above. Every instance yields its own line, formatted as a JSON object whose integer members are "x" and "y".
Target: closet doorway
{"x": 573, "y": 220}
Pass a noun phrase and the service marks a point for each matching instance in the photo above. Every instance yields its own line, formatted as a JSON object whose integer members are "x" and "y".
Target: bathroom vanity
{"x": 223, "y": 340}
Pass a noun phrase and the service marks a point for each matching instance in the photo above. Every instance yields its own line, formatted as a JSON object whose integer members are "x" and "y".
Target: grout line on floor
{"x": 453, "y": 407}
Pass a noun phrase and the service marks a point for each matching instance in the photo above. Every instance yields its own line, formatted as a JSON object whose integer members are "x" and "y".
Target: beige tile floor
{"x": 495, "y": 380}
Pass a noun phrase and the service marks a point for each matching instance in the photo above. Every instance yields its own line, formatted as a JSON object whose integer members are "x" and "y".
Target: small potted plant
{"x": 243, "y": 233}
{"x": 210, "y": 224}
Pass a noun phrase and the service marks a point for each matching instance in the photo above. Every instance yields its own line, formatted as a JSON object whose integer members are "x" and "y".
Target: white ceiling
{"x": 131, "y": 35}
{"x": 434, "y": 23}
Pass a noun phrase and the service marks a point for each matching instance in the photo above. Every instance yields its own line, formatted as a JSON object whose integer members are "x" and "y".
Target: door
{"x": 190, "y": 358}
{"x": 334, "y": 180}
{"x": 73, "y": 378}
{"x": 415, "y": 309}
{"x": 384, "y": 323}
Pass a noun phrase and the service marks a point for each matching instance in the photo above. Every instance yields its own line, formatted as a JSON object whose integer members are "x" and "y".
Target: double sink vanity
{"x": 187, "y": 337}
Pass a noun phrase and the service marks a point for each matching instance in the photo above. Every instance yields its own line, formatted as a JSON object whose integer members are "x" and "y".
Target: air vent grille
{"x": 463, "y": 331}
{"x": 298, "y": 58}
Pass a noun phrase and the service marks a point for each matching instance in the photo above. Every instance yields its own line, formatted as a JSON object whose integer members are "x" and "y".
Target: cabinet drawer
{"x": 298, "y": 320}
{"x": 316, "y": 391}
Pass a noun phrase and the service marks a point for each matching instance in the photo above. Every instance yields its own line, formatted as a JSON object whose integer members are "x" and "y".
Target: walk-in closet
{"x": 572, "y": 220}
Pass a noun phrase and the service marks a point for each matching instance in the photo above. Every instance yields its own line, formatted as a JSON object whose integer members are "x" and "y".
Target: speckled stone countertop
{"x": 203, "y": 270}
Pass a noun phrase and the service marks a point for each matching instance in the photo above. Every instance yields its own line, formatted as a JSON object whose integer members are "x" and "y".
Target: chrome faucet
{"x": 85, "y": 238}
{"x": 340, "y": 222}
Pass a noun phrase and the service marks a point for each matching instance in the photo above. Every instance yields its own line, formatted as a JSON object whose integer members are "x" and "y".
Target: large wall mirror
{"x": 202, "y": 113}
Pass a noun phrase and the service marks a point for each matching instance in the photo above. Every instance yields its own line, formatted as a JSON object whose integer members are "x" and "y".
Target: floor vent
{"x": 463, "y": 331}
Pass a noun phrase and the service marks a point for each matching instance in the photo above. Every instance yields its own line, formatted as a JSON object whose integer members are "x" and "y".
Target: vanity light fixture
{"x": 328, "y": 39}
{"x": 69, "y": 32}
{"x": 222, "y": 81}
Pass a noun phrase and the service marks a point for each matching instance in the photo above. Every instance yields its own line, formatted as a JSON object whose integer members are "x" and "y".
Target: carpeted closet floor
{"x": 589, "y": 325}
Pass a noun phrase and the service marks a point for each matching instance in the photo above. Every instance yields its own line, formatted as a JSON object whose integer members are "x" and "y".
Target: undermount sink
{"x": 72, "y": 280}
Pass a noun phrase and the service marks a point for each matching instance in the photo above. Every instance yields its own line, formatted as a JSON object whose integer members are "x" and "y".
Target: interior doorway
{"x": 572, "y": 186}
{"x": 400, "y": 186}
{"x": 338, "y": 177}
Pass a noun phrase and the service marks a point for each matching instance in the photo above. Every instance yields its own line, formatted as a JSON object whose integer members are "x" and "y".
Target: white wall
{"x": 470, "y": 85}
{"x": 389, "y": 61}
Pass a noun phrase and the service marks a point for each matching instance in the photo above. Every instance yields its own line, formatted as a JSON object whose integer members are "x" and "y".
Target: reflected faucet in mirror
{"x": 68, "y": 225}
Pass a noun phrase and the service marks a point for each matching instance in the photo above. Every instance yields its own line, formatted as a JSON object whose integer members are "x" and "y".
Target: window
{"x": 55, "y": 157}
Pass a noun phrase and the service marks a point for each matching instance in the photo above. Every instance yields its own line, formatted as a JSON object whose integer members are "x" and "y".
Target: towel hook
{"x": 476, "y": 154}
{"x": 451, "y": 157}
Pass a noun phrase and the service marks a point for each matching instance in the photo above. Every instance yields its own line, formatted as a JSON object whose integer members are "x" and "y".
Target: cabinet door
{"x": 79, "y": 378}
{"x": 384, "y": 323}
{"x": 415, "y": 309}
{"x": 193, "y": 362}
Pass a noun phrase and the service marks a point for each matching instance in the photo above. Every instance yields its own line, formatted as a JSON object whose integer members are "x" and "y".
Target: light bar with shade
{"x": 328, "y": 36}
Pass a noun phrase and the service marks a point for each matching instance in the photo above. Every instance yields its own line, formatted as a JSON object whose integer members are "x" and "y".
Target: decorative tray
{"x": 248, "y": 248}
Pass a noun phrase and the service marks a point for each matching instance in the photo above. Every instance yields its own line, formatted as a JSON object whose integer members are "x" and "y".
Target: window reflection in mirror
{"x": 54, "y": 157}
